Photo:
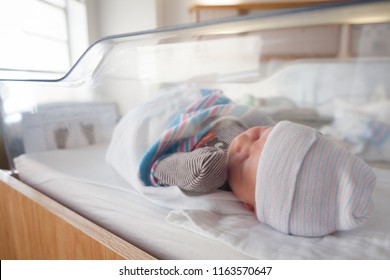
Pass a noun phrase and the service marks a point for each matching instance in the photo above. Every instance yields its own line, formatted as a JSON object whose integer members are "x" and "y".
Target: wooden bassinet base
{"x": 34, "y": 226}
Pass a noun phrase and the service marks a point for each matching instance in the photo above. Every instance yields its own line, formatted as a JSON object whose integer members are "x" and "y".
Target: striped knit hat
{"x": 309, "y": 186}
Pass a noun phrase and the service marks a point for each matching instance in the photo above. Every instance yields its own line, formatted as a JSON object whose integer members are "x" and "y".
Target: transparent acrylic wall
{"x": 296, "y": 64}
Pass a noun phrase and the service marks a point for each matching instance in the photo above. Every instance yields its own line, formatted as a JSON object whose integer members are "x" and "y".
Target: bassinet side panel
{"x": 33, "y": 226}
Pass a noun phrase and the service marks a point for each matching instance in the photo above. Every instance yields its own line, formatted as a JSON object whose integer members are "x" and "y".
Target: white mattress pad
{"x": 82, "y": 180}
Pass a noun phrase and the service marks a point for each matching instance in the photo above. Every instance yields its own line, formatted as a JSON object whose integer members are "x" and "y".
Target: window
{"x": 42, "y": 35}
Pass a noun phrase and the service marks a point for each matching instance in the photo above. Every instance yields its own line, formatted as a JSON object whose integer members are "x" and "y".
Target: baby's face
{"x": 243, "y": 159}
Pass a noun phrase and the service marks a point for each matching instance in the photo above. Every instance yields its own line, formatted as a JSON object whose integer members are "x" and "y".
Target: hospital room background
{"x": 75, "y": 24}
{"x": 71, "y": 70}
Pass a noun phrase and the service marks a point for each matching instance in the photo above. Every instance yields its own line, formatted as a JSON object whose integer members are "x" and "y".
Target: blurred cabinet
{"x": 319, "y": 39}
{"x": 209, "y": 12}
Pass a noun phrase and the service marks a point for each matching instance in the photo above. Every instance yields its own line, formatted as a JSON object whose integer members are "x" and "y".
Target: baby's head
{"x": 298, "y": 181}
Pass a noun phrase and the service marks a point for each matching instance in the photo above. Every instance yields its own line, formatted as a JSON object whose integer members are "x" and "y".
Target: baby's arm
{"x": 202, "y": 170}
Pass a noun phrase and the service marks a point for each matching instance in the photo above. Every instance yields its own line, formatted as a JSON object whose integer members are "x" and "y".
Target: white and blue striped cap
{"x": 307, "y": 185}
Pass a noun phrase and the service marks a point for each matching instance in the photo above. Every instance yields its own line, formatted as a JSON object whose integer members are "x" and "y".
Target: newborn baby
{"x": 292, "y": 177}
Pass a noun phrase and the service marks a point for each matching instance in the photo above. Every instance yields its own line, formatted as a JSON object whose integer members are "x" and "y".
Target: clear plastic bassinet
{"x": 317, "y": 65}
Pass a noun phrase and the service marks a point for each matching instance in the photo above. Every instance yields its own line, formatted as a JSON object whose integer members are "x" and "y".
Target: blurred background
{"x": 50, "y": 35}
{"x": 44, "y": 38}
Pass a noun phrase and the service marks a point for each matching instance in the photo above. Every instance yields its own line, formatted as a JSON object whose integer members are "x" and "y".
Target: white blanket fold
{"x": 147, "y": 123}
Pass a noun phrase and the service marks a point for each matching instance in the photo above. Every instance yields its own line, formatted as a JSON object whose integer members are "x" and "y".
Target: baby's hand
{"x": 202, "y": 170}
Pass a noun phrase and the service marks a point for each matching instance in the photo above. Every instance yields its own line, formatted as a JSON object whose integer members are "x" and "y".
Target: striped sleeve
{"x": 202, "y": 170}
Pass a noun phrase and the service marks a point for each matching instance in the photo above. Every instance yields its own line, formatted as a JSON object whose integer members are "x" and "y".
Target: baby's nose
{"x": 242, "y": 142}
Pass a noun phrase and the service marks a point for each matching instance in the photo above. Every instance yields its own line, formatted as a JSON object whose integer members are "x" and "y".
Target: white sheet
{"x": 83, "y": 181}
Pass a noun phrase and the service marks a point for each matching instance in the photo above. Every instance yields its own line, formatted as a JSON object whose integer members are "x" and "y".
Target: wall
{"x": 174, "y": 12}
{"x": 110, "y": 17}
